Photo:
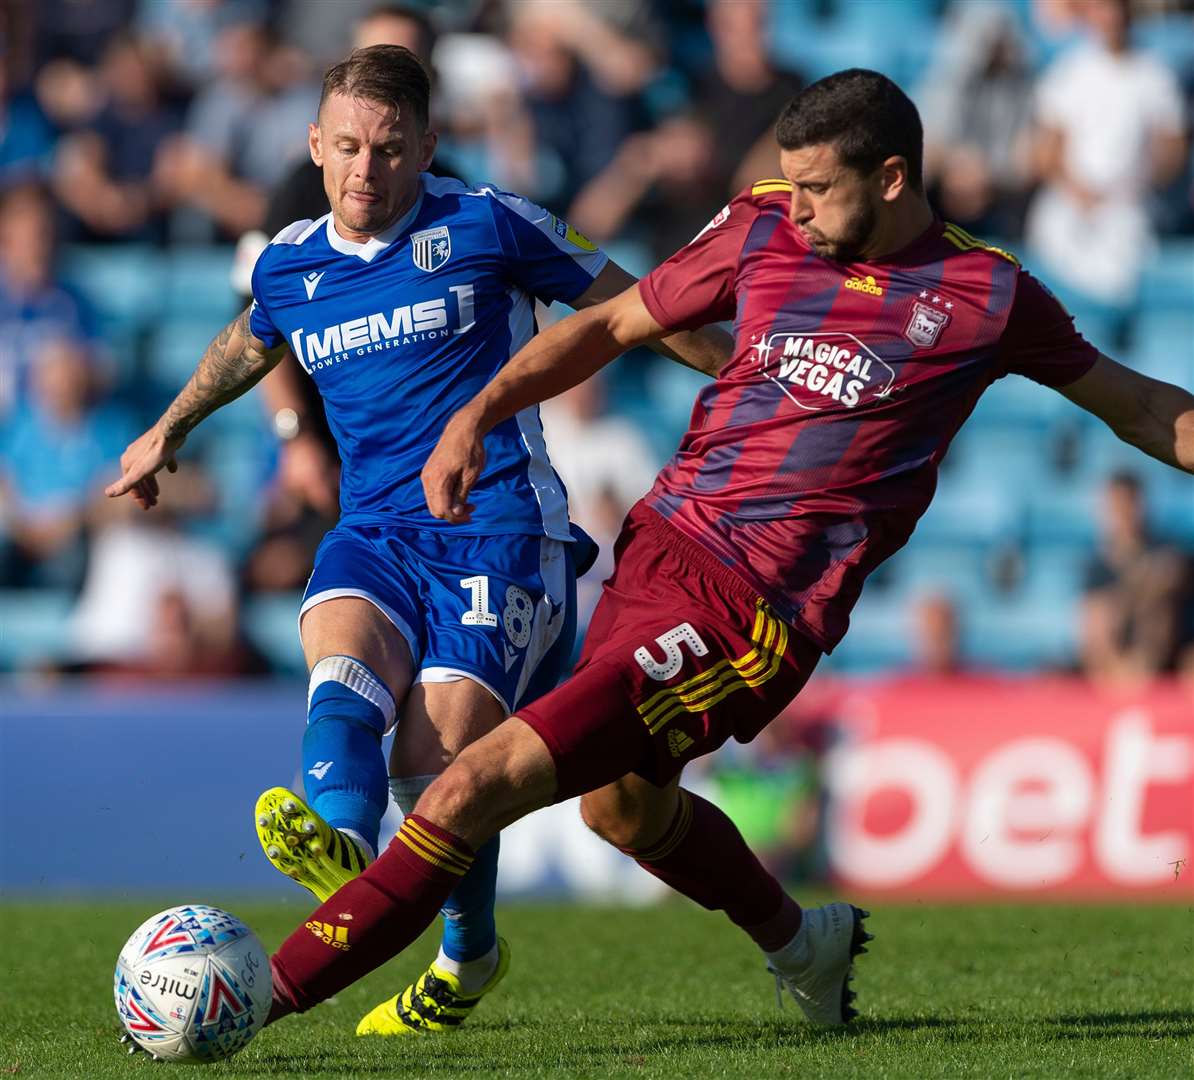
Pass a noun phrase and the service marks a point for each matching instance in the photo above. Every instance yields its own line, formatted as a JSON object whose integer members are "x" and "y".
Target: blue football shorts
{"x": 500, "y": 610}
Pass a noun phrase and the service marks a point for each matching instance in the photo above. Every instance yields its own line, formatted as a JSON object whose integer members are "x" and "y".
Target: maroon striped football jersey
{"x": 810, "y": 458}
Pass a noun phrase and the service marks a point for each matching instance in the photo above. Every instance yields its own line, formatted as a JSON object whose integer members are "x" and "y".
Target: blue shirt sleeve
{"x": 545, "y": 255}
{"x": 260, "y": 324}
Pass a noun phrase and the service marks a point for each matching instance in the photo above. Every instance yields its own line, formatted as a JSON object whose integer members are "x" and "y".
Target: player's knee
{"x": 614, "y": 818}
{"x": 465, "y": 797}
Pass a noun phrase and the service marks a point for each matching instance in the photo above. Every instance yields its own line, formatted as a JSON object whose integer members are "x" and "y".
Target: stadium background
{"x": 1012, "y": 710}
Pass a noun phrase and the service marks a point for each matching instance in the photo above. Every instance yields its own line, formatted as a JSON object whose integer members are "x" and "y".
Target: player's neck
{"x": 906, "y": 223}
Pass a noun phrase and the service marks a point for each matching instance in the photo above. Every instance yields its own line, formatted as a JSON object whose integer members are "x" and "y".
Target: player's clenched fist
{"x": 452, "y": 470}
{"x": 144, "y": 457}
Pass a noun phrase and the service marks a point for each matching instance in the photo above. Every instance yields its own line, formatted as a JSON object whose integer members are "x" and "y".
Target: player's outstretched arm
{"x": 1156, "y": 416}
{"x": 232, "y": 363}
{"x": 559, "y": 358}
{"x": 707, "y": 350}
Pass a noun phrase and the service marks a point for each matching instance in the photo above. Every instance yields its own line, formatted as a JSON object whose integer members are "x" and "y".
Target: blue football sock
{"x": 470, "y": 930}
{"x": 344, "y": 770}
{"x": 469, "y": 927}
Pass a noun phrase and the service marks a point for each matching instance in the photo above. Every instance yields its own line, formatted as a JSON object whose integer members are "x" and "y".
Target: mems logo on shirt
{"x": 380, "y": 331}
{"x": 819, "y": 371}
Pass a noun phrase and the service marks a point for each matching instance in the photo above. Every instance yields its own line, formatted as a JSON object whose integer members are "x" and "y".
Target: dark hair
{"x": 411, "y": 13}
{"x": 388, "y": 74}
{"x": 1125, "y": 480}
{"x": 863, "y": 114}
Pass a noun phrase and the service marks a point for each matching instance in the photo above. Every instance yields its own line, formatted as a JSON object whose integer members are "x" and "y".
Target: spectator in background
{"x": 1111, "y": 130}
{"x": 977, "y": 109}
{"x": 104, "y": 172}
{"x": 185, "y": 600}
{"x": 34, "y": 306}
{"x": 606, "y": 465}
{"x": 680, "y": 173}
{"x": 56, "y": 451}
{"x": 1137, "y": 609}
{"x": 581, "y": 79}
{"x": 596, "y": 452}
{"x": 937, "y": 637}
{"x": 186, "y": 32}
{"x": 26, "y": 137}
{"x": 244, "y": 131}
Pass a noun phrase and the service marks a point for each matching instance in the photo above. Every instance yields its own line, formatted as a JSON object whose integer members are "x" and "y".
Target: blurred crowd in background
{"x": 148, "y": 148}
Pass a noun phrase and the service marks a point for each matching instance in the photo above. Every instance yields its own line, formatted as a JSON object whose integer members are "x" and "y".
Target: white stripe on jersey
{"x": 549, "y": 490}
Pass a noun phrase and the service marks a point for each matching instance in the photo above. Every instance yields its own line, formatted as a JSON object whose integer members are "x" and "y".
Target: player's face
{"x": 835, "y": 207}
{"x": 371, "y": 155}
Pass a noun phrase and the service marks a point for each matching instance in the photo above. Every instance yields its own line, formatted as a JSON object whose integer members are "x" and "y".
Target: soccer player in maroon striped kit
{"x": 866, "y": 330}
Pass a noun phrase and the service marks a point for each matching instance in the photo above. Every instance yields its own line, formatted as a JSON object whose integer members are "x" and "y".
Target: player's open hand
{"x": 145, "y": 457}
{"x": 452, "y": 470}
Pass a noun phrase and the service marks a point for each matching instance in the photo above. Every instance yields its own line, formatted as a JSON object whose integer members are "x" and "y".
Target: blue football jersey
{"x": 401, "y": 331}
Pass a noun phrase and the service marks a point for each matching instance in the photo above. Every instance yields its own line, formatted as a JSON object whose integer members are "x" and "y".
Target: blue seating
{"x": 195, "y": 284}
{"x": 34, "y": 626}
{"x": 271, "y": 624}
{"x": 122, "y": 284}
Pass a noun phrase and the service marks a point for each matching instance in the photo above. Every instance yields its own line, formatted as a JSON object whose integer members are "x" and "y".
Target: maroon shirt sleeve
{"x": 1040, "y": 339}
{"x": 695, "y": 286}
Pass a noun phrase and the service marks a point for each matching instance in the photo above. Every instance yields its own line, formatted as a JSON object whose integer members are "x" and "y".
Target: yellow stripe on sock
{"x": 674, "y": 836}
{"x": 436, "y": 844}
{"x": 420, "y": 848}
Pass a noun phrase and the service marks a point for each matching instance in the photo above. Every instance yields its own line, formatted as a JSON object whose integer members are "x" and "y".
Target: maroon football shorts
{"x": 680, "y": 655}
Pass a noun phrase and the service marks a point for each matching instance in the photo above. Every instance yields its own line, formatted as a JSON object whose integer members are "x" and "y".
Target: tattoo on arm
{"x": 229, "y": 367}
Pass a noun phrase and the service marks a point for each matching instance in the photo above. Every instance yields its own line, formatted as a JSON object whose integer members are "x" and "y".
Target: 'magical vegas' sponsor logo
{"x": 819, "y": 371}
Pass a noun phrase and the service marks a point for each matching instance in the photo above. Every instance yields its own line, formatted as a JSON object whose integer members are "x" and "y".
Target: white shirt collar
{"x": 372, "y": 247}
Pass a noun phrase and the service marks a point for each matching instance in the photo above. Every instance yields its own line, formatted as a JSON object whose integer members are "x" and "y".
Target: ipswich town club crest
{"x": 431, "y": 248}
{"x": 925, "y": 325}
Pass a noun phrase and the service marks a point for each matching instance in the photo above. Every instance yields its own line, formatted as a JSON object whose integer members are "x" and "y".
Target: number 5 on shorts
{"x": 673, "y": 659}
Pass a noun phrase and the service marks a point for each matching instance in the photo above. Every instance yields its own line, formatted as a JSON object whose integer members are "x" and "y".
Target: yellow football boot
{"x": 433, "y": 1002}
{"x": 301, "y": 845}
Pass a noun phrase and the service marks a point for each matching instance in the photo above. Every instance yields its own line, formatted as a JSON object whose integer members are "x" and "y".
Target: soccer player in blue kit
{"x": 401, "y": 304}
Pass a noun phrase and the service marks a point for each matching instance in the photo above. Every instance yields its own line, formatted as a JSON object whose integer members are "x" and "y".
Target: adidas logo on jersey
{"x": 335, "y": 936}
{"x": 866, "y": 285}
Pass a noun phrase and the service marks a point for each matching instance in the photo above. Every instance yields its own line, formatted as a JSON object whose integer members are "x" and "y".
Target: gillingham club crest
{"x": 925, "y": 325}
{"x": 431, "y": 248}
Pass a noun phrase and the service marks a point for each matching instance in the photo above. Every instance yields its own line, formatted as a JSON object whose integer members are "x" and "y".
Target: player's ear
{"x": 893, "y": 177}
{"x": 314, "y": 144}
{"x": 427, "y": 149}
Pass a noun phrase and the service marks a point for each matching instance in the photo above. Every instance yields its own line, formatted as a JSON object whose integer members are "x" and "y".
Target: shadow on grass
{"x": 656, "y": 1041}
{"x": 1149, "y": 1024}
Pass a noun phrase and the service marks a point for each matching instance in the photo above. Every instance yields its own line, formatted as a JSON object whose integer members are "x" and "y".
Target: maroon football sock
{"x": 373, "y": 917}
{"x": 703, "y": 856}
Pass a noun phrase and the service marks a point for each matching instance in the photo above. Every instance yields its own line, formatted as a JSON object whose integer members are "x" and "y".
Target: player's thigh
{"x": 438, "y": 721}
{"x": 350, "y": 626}
{"x": 496, "y": 613}
{"x": 631, "y": 812}
{"x": 360, "y": 601}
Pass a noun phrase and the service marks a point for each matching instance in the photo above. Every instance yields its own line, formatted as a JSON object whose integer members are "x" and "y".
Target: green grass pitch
{"x": 672, "y": 991}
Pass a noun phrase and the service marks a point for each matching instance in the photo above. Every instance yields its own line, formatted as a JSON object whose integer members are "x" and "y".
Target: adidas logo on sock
{"x": 335, "y": 936}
